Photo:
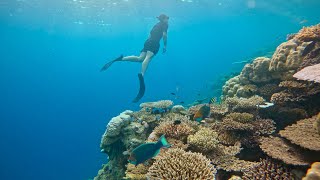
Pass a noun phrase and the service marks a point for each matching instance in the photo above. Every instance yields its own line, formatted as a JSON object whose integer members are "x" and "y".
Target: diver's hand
{"x": 164, "y": 50}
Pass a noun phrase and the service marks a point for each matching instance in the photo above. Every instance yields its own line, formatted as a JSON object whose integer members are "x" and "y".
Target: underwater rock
{"x": 177, "y": 164}
{"x": 268, "y": 169}
{"x": 303, "y": 134}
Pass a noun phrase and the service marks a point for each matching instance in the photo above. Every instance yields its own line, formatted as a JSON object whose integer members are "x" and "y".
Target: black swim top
{"x": 157, "y": 31}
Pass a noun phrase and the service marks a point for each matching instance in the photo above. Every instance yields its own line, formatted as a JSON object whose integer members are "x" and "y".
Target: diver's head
{"x": 163, "y": 18}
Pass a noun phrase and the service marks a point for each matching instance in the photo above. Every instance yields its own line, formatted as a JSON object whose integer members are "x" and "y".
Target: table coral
{"x": 176, "y": 164}
{"x": 244, "y": 104}
{"x": 278, "y": 148}
{"x": 311, "y": 33}
{"x": 204, "y": 140}
{"x": 310, "y": 73}
{"x": 303, "y": 134}
{"x": 241, "y": 117}
{"x": 268, "y": 169}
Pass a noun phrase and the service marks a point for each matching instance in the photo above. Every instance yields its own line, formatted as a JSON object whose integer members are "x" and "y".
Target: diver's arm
{"x": 164, "y": 36}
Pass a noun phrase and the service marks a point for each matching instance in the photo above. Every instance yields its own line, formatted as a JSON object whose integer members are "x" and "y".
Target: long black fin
{"x": 106, "y": 66}
{"x": 141, "y": 90}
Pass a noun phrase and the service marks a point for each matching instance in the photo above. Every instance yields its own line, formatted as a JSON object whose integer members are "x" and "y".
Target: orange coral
{"x": 311, "y": 33}
{"x": 303, "y": 134}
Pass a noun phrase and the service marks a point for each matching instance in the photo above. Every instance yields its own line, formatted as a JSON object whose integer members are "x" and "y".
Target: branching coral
{"x": 178, "y": 131}
{"x": 176, "y": 164}
{"x": 229, "y": 124}
{"x": 136, "y": 172}
{"x": 278, "y": 148}
{"x": 218, "y": 111}
{"x": 204, "y": 140}
{"x": 263, "y": 127}
{"x": 230, "y": 163}
{"x": 311, "y": 33}
{"x": 303, "y": 134}
{"x": 310, "y": 73}
{"x": 241, "y": 117}
{"x": 268, "y": 169}
{"x": 314, "y": 172}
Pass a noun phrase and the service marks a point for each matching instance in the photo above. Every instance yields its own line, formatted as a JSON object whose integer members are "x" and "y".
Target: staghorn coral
{"x": 176, "y": 164}
{"x": 136, "y": 172}
{"x": 310, "y": 73}
{"x": 204, "y": 140}
{"x": 303, "y": 134}
{"x": 163, "y": 104}
{"x": 268, "y": 169}
{"x": 244, "y": 104}
{"x": 287, "y": 59}
{"x": 179, "y": 131}
{"x": 278, "y": 148}
{"x": 241, "y": 117}
{"x": 314, "y": 172}
{"x": 311, "y": 33}
{"x": 256, "y": 72}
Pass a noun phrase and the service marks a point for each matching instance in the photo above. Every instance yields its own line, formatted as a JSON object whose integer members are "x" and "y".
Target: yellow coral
{"x": 204, "y": 140}
{"x": 176, "y": 164}
{"x": 314, "y": 172}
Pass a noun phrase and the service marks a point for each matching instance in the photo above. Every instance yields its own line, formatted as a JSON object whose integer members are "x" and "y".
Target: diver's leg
{"x": 135, "y": 58}
{"x": 146, "y": 62}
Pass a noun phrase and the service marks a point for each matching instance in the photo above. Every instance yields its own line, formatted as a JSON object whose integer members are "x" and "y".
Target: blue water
{"x": 54, "y": 102}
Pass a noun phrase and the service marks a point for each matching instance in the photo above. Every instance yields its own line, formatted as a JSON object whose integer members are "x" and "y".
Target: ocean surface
{"x": 54, "y": 101}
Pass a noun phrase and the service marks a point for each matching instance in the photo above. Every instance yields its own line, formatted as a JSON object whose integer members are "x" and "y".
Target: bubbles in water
{"x": 251, "y": 4}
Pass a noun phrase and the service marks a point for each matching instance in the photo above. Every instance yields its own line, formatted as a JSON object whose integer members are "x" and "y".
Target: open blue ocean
{"x": 54, "y": 101}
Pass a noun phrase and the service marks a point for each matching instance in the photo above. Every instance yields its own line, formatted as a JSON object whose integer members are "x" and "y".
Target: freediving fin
{"x": 141, "y": 90}
{"x": 106, "y": 66}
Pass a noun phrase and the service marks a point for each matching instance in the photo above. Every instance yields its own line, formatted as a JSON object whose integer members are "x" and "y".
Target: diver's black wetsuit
{"x": 153, "y": 42}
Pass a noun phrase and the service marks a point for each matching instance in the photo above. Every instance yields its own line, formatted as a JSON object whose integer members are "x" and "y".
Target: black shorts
{"x": 151, "y": 45}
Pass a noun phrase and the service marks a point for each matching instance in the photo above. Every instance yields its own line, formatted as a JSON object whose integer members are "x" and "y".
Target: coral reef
{"x": 278, "y": 148}
{"x": 241, "y": 117}
{"x": 138, "y": 172}
{"x": 303, "y": 134}
{"x": 177, "y": 164}
{"x": 314, "y": 172}
{"x": 244, "y": 104}
{"x": 204, "y": 140}
{"x": 316, "y": 124}
{"x": 311, "y": 33}
{"x": 163, "y": 104}
{"x": 179, "y": 131}
{"x": 268, "y": 169}
{"x": 310, "y": 73}
{"x": 257, "y": 71}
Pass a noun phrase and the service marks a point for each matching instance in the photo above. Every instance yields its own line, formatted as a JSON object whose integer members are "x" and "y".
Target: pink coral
{"x": 310, "y": 73}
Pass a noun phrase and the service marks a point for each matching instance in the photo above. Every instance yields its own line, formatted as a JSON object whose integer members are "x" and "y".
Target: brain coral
{"x": 204, "y": 140}
{"x": 287, "y": 59}
{"x": 176, "y": 164}
{"x": 303, "y": 134}
{"x": 268, "y": 169}
{"x": 311, "y": 33}
{"x": 257, "y": 71}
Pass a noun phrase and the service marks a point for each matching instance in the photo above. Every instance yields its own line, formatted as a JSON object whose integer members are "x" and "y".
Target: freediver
{"x": 150, "y": 49}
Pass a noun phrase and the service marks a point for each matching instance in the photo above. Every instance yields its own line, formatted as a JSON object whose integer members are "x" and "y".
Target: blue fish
{"x": 147, "y": 151}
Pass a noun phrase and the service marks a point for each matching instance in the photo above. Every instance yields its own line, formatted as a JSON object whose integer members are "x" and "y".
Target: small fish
{"x": 176, "y": 122}
{"x": 204, "y": 111}
{"x": 303, "y": 21}
{"x": 147, "y": 151}
{"x": 173, "y": 93}
{"x": 213, "y": 100}
{"x": 265, "y": 105}
{"x": 182, "y": 102}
